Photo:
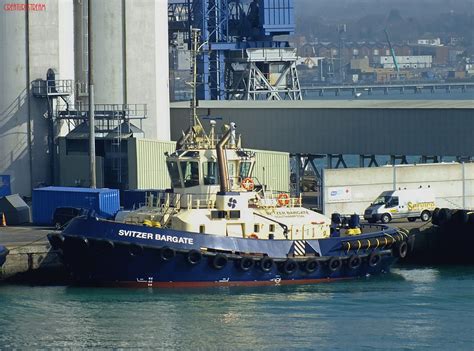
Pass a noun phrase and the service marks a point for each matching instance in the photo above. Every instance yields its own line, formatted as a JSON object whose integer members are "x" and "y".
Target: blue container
{"x": 5, "y": 188}
{"x": 105, "y": 202}
{"x": 131, "y": 199}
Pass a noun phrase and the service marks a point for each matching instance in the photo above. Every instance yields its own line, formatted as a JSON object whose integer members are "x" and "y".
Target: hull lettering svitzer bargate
{"x": 151, "y": 236}
{"x": 219, "y": 225}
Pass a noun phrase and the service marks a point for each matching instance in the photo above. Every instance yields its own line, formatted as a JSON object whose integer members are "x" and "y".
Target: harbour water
{"x": 412, "y": 308}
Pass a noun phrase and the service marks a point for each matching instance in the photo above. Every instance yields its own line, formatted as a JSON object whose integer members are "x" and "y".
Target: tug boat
{"x": 218, "y": 225}
{"x": 3, "y": 255}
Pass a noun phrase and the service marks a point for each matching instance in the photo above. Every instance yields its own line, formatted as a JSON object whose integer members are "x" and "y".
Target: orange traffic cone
{"x": 4, "y": 221}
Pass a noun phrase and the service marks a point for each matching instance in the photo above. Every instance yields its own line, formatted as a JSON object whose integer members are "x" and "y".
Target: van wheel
{"x": 411, "y": 219}
{"x": 385, "y": 218}
{"x": 425, "y": 216}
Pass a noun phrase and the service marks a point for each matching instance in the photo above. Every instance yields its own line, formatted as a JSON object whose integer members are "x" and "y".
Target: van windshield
{"x": 382, "y": 200}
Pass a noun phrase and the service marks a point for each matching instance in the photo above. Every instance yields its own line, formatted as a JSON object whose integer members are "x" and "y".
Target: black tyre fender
{"x": 374, "y": 259}
{"x": 167, "y": 253}
{"x": 135, "y": 250}
{"x": 56, "y": 241}
{"x": 400, "y": 250}
{"x": 77, "y": 243}
{"x": 246, "y": 263}
{"x": 461, "y": 217}
{"x": 354, "y": 262}
{"x": 435, "y": 216}
{"x": 193, "y": 257}
{"x": 310, "y": 265}
{"x": 334, "y": 264}
{"x": 219, "y": 261}
{"x": 289, "y": 266}
{"x": 444, "y": 217}
{"x": 266, "y": 264}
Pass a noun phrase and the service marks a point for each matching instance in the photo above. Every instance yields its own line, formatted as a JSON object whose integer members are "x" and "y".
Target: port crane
{"x": 241, "y": 58}
{"x": 392, "y": 52}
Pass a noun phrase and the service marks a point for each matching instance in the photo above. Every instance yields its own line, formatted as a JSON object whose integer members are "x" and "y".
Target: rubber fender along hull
{"x": 106, "y": 253}
{"x": 117, "y": 266}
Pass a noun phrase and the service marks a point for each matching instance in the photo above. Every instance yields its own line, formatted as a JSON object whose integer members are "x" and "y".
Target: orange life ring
{"x": 283, "y": 199}
{"x": 253, "y": 236}
{"x": 248, "y": 184}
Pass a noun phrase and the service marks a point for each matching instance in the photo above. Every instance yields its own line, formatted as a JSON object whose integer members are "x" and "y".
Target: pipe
{"x": 222, "y": 160}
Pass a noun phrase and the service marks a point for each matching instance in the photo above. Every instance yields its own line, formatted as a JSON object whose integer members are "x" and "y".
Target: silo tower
{"x": 34, "y": 37}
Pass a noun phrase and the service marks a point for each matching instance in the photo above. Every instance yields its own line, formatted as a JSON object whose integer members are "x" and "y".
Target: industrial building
{"x": 356, "y": 127}
{"x": 130, "y": 57}
{"x": 406, "y": 62}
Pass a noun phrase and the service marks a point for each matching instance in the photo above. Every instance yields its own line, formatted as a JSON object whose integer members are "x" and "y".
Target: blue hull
{"x": 108, "y": 253}
{"x": 3, "y": 255}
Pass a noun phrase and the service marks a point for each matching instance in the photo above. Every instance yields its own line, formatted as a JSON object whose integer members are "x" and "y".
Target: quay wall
{"x": 351, "y": 190}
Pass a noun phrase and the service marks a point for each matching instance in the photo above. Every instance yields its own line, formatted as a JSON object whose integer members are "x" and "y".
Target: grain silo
{"x": 130, "y": 56}
{"x": 34, "y": 37}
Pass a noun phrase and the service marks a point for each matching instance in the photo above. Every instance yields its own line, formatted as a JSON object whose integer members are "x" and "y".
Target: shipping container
{"x": 5, "y": 188}
{"x": 105, "y": 202}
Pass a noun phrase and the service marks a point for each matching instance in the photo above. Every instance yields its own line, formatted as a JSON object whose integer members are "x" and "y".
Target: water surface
{"x": 410, "y": 309}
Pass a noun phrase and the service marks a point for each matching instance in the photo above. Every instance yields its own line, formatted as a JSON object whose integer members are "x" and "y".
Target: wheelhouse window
{"x": 231, "y": 167}
{"x": 190, "y": 172}
{"x": 174, "y": 174}
{"x": 209, "y": 173}
{"x": 244, "y": 170}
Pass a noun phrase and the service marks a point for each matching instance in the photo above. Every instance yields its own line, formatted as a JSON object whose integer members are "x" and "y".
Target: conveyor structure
{"x": 239, "y": 58}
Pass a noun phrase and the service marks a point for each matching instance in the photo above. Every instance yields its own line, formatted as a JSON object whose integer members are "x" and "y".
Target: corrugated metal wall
{"x": 146, "y": 163}
{"x": 273, "y": 168}
{"x": 147, "y": 168}
{"x": 380, "y": 128}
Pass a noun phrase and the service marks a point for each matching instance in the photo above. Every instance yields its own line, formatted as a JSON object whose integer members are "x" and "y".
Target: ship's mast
{"x": 196, "y": 128}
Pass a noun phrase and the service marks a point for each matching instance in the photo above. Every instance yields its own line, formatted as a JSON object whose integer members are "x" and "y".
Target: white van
{"x": 410, "y": 204}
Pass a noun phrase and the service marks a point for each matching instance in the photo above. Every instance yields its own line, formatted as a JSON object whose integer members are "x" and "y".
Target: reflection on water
{"x": 428, "y": 308}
